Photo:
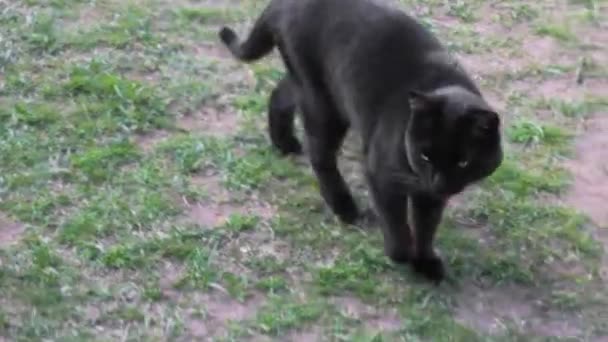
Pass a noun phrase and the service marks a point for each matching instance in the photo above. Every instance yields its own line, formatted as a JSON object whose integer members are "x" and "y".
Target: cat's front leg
{"x": 425, "y": 214}
{"x": 391, "y": 206}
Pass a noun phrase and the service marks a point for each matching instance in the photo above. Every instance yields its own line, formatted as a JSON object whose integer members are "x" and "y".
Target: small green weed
{"x": 562, "y": 32}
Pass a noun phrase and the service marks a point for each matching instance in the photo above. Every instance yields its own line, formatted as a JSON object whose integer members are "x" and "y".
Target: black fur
{"x": 427, "y": 132}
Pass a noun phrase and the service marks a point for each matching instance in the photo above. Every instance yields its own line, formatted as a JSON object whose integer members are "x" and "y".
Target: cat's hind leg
{"x": 281, "y": 114}
{"x": 325, "y": 132}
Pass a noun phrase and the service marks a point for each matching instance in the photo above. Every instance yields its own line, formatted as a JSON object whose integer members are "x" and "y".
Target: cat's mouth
{"x": 449, "y": 191}
{"x": 441, "y": 188}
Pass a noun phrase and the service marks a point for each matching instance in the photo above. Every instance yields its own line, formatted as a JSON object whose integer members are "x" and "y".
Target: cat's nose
{"x": 443, "y": 188}
{"x": 438, "y": 183}
{"x": 437, "y": 180}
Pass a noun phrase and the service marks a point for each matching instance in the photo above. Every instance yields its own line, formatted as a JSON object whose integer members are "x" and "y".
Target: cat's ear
{"x": 419, "y": 101}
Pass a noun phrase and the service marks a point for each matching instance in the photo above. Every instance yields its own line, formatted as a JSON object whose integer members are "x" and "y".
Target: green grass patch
{"x": 280, "y": 315}
{"x": 520, "y": 13}
{"x": 463, "y": 10}
{"x": 529, "y": 132}
{"x": 131, "y": 26}
{"x": 207, "y": 15}
{"x": 561, "y": 32}
{"x": 574, "y": 108}
{"x": 355, "y": 272}
{"x": 196, "y": 153}
{"x": 99, "y": 163}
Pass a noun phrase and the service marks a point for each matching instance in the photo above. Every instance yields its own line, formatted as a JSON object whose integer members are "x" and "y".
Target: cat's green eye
{"x": 463, "y": 164}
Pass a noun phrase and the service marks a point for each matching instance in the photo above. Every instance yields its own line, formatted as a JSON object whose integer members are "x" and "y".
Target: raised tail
{"x": 259, "y": 43}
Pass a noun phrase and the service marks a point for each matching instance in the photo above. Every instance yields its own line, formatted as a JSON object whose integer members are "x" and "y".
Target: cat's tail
{"x": 259, "y": 43}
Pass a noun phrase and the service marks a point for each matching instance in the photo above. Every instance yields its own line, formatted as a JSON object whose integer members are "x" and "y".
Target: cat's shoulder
{"x": 443, "y": 58}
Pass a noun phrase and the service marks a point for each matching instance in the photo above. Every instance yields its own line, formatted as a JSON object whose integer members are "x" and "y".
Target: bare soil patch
{"x": 211, "y": 183}
{"x": 10, "y": 231}
{"x": 204, "y": 314}
{"x": 305, "y": 336}
{"x": 219, "y": 205}
{"x": 148, "y": 141}
{"x": 493, "y": 310}
{"x": 171, "y": 274}
{"x": 210, "y": 121}
{"x": 87, "y": 15}
{"x": 213, "y": 214}
{"x": 219, "y": 311}
{"x": 211, "y": 50}
{"x": 589, "y": 190}
{"x": 210, "y": 215}
{"x": 545, "y": 50}
{"x": 491, "y": 64}
{"x": 373, "y": 318}
{"x": 562, "y": 88}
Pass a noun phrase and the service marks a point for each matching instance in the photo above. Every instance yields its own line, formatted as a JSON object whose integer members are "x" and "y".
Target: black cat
{"x": 427, "y": 132}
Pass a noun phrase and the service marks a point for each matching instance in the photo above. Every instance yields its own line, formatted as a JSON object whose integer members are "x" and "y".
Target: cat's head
{"x": 452, "y": 139}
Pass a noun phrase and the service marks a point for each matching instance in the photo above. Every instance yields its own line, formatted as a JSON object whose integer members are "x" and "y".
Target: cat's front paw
{"x": 289, "y": 146}
{"x": 349, "y": 216}
{"x": 430, "y": 267}
{"x": 347, "y": 211}
{"x": 368, "y": 218}
{"x": 399, "y": 254}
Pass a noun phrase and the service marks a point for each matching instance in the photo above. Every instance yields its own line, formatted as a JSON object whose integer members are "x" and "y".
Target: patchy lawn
{"x": 140, "y": 198}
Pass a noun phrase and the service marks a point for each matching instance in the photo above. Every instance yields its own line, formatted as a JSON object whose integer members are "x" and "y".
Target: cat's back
{"x": 328, "y": 29}
{"x": 355, "y": 16}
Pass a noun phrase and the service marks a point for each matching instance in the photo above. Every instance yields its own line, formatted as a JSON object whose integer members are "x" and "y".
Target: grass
{"x": 560, "y": 31}
{"x": 142, "y": 227}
